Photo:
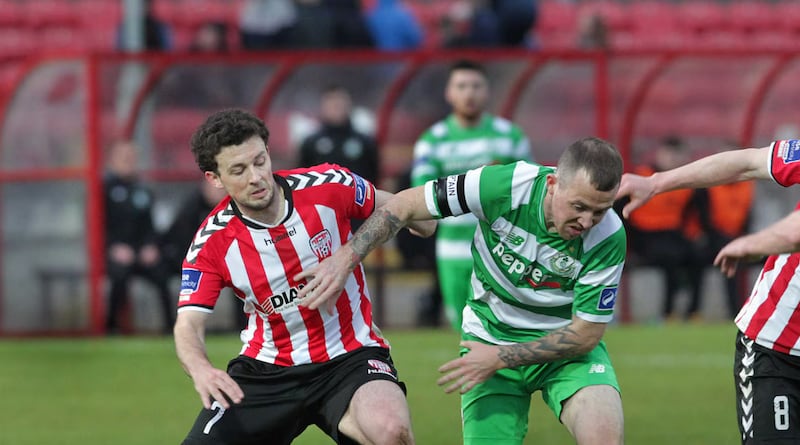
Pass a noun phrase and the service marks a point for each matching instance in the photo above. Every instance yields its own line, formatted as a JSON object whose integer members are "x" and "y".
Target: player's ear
{"x": 213, "y": 179}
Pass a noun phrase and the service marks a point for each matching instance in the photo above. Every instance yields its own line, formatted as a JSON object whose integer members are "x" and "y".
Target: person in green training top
{"x": 468, "y": 138}
{"x": 548, "y": 256}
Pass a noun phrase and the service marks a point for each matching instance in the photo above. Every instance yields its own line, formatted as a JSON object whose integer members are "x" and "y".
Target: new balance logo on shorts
{"x": 597, "y": 368}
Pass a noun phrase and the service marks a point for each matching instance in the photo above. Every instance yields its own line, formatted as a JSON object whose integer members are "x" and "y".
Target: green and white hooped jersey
{"x": 528, "y": 281}
{"x": 447, "y": 148}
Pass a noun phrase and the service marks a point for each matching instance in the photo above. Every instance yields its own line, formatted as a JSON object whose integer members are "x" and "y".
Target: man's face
{"x": 575, "y": 206}
{"x": 335, "y": 107}
{"x": 245, "y": 172}
{"x": 467, "y": 93}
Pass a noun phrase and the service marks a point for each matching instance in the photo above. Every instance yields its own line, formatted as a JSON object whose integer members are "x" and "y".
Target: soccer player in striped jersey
{"x": 297, "y": 367}
{"x": 468, "y": 138}
{"x": 548, "y": 255}
{"x": 767, "y": 362}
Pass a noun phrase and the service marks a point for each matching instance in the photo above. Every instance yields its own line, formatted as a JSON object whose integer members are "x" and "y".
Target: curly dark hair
{"x": 222, "y": 129}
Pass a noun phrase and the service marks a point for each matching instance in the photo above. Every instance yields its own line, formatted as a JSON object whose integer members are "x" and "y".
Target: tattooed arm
{"x": 482, "y": 360}
{"x": 327, "y": 279}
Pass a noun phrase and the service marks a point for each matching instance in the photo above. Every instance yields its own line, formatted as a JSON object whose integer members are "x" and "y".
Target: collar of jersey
{"x": 287, "y": 196}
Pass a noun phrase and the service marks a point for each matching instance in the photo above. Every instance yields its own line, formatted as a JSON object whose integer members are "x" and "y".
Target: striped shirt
{"x": 526, "y": 280}
{"x": 447, "y": 148}
{"x": 259, "y": 262}
{"x": 771, "y": 314}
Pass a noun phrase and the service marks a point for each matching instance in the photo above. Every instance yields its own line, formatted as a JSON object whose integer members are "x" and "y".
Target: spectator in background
{"x": 131, "y": 240}
{"x": 337, "y": 141}
{"x": 468, "y": 138}
{"x": 267, "y": 24}
{"x": 394, "y": 27}
{"x": 211, "y": 37}
{"x": 657, "y": 235}
{"x": 496, "y": 23}
{"x": 178, "y": 237}
{"x": 157, "y": 34}
{"x": 192, "y": 212}
{"x": 592, "y": 32}
{"x": 350, "y": 28}
{"x": 729, "y": 208}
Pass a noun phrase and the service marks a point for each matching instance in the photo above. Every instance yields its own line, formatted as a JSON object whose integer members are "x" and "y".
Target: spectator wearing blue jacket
{"x": 394, "y": 27}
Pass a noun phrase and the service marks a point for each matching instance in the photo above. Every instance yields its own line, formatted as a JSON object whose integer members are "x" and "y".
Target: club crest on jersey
{"x": 377, "y": 366}
{"x": 562, "y": 264}
{"x": 190, "y": 282}
{"x": 789, "y": 151}
{"x": 608, "y": 297}
{"x": 322, "y": 244}
{"x": 361, "y": 189}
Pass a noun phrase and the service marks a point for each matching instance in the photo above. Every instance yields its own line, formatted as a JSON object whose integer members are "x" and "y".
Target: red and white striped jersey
{"x": 260, "y": 261}
{"x": 770, "y": 316}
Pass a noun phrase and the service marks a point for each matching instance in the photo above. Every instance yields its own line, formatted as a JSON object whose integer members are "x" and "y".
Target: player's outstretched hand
{"x": 729, "y": 256}
{"x": 326, "y": 280}
{"x": 215, "y": 384}
{"x": 474, "y": 367}
{"x": 638, "y": 188}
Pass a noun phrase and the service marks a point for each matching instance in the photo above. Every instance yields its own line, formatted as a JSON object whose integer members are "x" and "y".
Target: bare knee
{"x": 593, "y": 415}
{"x": 378, "y": 415}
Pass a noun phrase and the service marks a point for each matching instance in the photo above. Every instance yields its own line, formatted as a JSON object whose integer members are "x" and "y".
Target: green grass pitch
{"x": 676, "y": 382}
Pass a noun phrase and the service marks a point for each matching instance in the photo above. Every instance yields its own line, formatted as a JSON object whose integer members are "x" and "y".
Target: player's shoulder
{"x": 437, "y": 131}
{"x": 504, "y": 126}
{"x": 212, "y": 230}
{"x": 318, "y": 175}
{"x": 609, "y": 230}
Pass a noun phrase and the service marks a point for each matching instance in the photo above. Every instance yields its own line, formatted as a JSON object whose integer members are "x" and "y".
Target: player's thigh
{"x": 767, "y": 394}
{"x": 377, "y": 410}
{"x": 570, "y": 376}
{"x": 335, "y": 414}
{"x": 495, "y": 412}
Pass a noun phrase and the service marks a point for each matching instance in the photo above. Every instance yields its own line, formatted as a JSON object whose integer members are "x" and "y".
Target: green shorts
{"x": 496, "y": 411}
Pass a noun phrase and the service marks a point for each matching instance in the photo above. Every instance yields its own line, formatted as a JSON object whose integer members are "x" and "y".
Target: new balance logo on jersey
{"x": 281, "y": 302}
{"x": 514, "y": 239}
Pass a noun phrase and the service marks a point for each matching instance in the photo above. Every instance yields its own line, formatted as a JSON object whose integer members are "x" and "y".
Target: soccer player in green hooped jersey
{"x": 468, "y": 138}
{"x": 548, "y": 256}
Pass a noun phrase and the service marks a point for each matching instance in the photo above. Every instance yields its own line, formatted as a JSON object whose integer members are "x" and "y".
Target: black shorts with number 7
{"x": 280, "y": 402}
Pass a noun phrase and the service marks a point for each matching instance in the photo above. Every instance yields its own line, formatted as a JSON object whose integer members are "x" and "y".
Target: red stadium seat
{"x": 788, "y": 16}
{"x": 11, "y": 13}
{"x": 17, "y": 42}
{"x": 753, "y": 16}
{"x": 614, "y": 13}
{"x": 702, "y": 16}
{"x": 653, "y": 17}
{"x": 556, "y": 16}
{"x": 46, "y": 13}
